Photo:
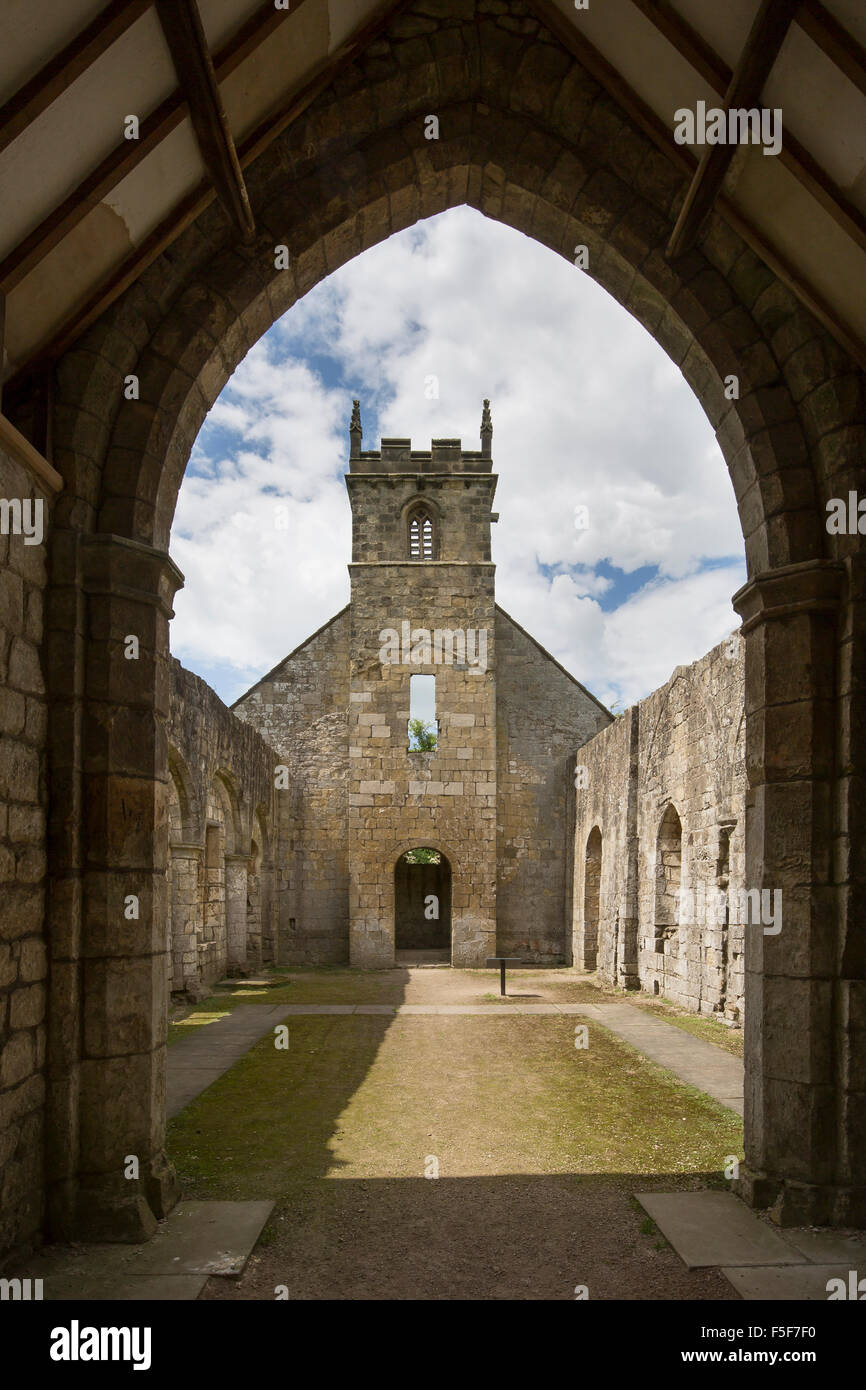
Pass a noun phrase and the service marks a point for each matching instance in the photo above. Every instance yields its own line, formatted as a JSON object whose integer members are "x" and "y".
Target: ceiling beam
{"x": 62, "y": 70}
{"x": 839, "y": 46}
{"x": 793, "y": 156}
{"x": 129, "y": 153}
{"x": 172, "y": 226}
{"x": 760, "y": 52}
{"x": 662, "y": 137}
{"x": 185, "y": 36}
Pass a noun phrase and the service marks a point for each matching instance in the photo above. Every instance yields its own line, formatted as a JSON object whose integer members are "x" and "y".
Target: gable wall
{"x": 542, "y": 716}
{"x": 301, "y": 709}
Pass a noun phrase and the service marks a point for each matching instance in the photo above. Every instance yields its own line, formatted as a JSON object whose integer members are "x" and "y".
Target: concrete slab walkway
{"x": 195, "y": 1063}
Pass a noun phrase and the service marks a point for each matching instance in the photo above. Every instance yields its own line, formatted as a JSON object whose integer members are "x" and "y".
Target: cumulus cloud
{"x": 588, "y": 414}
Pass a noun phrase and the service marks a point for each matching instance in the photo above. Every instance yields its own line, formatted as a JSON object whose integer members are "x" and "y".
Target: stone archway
{"x": 591, "y": 898}
{"x": 668, "y": 869}
{"x": 542, "y": 148}
{"x": 422, "y": 901}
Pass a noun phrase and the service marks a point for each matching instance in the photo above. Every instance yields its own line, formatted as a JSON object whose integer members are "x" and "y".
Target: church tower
{"x": 422, "y": 605}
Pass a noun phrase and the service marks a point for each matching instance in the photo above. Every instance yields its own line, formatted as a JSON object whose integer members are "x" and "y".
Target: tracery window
{"x": 422, "y": 534}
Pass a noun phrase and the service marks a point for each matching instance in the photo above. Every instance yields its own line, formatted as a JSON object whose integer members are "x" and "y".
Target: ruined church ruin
{"x": 136, "y": 274}
{"x": 561, "y": 834}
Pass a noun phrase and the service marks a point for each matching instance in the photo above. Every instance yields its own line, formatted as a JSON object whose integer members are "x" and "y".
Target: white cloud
{"x": 667, "y": 624}
{"x": 587, "y": 411}
{"x": 257, "y": 534}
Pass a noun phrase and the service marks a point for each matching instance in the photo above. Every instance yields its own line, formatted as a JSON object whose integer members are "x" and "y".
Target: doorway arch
{"x": 422, "y": 901}
{"x": 543, "y": 149}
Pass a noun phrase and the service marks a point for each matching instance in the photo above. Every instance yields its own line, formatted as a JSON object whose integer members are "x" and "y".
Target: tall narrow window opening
{"x": 423, "y": 726}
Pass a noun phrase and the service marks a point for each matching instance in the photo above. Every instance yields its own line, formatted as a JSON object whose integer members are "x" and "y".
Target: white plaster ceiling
{"x": 822, "y": 108}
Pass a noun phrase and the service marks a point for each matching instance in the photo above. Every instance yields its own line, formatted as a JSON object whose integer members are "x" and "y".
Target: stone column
{"x": 236, "y": 912}
{"x": 187, "y": 915}
{"x": 804, "y": 1128}
{"x": 255, "y": 916}
{"x": 629, "y": 925}
{"x": 122, "y": 970}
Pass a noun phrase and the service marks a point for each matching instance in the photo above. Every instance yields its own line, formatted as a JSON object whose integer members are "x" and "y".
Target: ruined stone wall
{"x": 222, "y": 801}
{"x": 607, "y": 767}
{"x": 300, "y": 709}
{"x": 542, "y": 715}
{"x": 22, "y": 870}
{"x": 666, "y": 789}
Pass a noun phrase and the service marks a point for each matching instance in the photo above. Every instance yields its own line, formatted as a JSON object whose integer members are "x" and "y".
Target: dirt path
{"x": 539, "y": 1147}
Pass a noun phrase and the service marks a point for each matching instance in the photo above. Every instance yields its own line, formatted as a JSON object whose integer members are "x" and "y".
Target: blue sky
{"x": 618, "y": 545}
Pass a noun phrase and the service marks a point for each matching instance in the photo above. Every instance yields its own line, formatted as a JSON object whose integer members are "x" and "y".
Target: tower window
{"x": 422, "y": 534}
{"x": 423, "y": 725}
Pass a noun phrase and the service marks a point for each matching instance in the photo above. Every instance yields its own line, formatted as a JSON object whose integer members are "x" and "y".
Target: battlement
{"x": 397, "y": 455}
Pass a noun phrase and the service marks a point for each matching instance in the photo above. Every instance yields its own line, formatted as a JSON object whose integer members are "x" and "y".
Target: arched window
{"x": 669, "y": 853}
{"x": 422, "y": 534}
{"x": 591, "y": 899}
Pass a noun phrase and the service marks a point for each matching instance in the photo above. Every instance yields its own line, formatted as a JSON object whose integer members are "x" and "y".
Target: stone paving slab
{"x": 830, "y": 1247}
{"x": 206, "y": 1238}
{"x": 792, "y": 1283}
{"x": 314, "y": 1009}
{"x": 197, "y": 1241}
{"x": 716, "y": 1229}
{"x": 411, "y": 1009}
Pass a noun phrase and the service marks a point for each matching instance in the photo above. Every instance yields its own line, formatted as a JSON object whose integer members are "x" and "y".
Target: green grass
{"x": 729, "y": 1039}
{"x": 366, "y": 1097}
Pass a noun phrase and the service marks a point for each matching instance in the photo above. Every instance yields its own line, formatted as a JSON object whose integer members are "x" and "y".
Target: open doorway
{"x": 422, "y": 905}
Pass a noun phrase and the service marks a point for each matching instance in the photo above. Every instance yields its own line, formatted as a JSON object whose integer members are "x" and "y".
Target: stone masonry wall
{"x": 400, "y": 799}
{"x": 223, "y": 894}
{"x": 300, "y": 708}
{"x": 681, "y": 748}
{"x": 23, "y": 968}
{"x": 542, "y": 715}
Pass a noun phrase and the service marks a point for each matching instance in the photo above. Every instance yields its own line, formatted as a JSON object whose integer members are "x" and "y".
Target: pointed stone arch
{"x": 591, "y": 897}
{"x": 529, "y": 138}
